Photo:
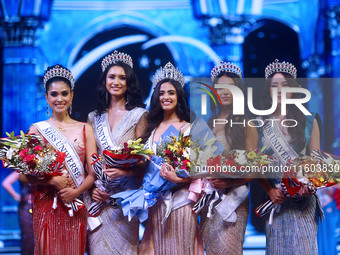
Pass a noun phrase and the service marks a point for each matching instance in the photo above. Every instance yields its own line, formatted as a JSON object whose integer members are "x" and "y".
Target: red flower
{"x": 37, "y": 148}
{"x": 167, "y": 152}
{"x": 28, "y": 158}
{"x": 230, "y": 162}
{"x": 23, "y": 152}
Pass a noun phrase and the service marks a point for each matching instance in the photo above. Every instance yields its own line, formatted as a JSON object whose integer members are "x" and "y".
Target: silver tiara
{"x": 168, "y": 72}
{"x": 59, "y": 71}
{"x": 116, "y": 57}
{"x": 226, "y": 67}
{"x": 278, "y": 67}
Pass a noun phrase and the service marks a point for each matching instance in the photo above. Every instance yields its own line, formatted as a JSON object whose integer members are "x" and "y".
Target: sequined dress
{"x": 117, "y": 235}
{"x": 294, "y": 228}
{"x": 179, "y": 234}
{"x": 55, "y": 232}
{"x": 221, "y": 237}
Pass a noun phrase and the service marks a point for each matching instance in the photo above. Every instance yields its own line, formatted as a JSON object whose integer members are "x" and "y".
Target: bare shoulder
{"x": 33, "y": 130}
{"x": 88, "y": 127}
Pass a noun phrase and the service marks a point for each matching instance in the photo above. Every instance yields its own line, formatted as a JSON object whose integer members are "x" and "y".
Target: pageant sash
{"x": 60, "y": 143}
{"x": 284, "y": 151}
{"x": 276, "y": 140}
{"x": 231, "y": 201}
{"x": 102, "y": 131}
{"x": 72, "y": 161}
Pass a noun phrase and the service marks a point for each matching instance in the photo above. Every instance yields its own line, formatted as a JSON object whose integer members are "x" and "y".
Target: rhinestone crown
{"x": 168, "y": 72}
{"x": 226, "y": 67}
{"x": 116, "y": 57}
{"x": 59, "y": 71}
{"x": 278, "y": 67}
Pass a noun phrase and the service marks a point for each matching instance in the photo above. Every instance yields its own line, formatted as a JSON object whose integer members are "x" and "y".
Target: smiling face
{"x": 279, "y": 81}
{"x": 116, "y": 81}
{"x": 225, "y": 94}
{"x": 59, "y": 96}
{"x": 168, "y": 96}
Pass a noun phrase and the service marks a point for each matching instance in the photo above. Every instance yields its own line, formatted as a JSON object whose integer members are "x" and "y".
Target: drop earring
{"x": 48, "y": 110}
{"x": 71, "y": 109}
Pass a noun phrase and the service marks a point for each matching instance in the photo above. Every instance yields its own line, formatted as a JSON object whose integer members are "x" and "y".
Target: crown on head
{"x": 116, "y": 57}
{"x": 226, "y": 67}
{"x": 168, "y": 72}
{"x": 278, "y": 67}
{"x": 59, "y": 71}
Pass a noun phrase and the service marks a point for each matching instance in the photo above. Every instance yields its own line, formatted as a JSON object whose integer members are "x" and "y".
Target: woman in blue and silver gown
{"x": 294, "y": 227}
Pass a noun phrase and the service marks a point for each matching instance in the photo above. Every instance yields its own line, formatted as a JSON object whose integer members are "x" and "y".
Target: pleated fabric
{"x": 116, "y": 235}
{"x": 179, "y": 234}
{"x": 294, "y": 228}
{"x": 221, "y": 237}
{"x": 55, "y": 232}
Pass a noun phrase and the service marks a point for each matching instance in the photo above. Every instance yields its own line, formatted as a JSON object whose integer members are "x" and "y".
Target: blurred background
{"x": 193, "y": 34}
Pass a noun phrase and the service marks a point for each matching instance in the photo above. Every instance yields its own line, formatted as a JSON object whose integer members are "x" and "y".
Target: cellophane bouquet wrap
{"x": 237, "y": 163}
{"x": 137, "y": 202}
{"x": 103, "y": 183}
{"x": 126, "y": 156}
{"x": 29, "y": 155}
{"x": 315, "y": 171}
{"x": 232, "y": 164}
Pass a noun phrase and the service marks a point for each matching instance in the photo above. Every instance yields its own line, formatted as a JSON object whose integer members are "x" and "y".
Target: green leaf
{"x": 8, "y": 143}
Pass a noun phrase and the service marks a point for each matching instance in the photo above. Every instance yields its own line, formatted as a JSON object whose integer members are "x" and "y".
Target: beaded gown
{"x": 294, "y": 228}
{"x": 221, "y": 237}
{"x": 55, "y": 232}
{"x": 179, "y": 234}
{"x": 117, "y": 235}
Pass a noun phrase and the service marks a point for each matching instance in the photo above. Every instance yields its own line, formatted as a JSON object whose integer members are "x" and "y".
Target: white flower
{"x": 203, "y": 158}
{"x": 186, "y": 152}
{"x": 241, "y": 157}
{"x": 9, "y": 153}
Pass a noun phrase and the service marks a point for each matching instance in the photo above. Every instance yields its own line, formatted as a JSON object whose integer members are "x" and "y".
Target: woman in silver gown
{"x": 226, "y": 236}
{"x": 118, "y": 118}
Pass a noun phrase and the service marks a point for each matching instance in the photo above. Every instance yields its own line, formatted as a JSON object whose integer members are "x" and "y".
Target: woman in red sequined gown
{"x": 55, "y": 232}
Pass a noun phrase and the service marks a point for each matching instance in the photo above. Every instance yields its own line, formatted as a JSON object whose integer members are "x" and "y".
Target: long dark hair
{"x": 157, "y": 113}
{"x": 132, "y": 95}
{"x": 235, "y": 134}
{"x": 297, "y": 134}
{"x": 56, "y": 78}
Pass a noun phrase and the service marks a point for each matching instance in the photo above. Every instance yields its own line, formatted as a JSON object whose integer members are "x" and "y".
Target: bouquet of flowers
{"x": 233, "y": 165}
{"x": 316, "y": 171}
{"x": 126, "y": 156}
{"x": 175, "y": 150}
{"x": 137, "y": 202}
{"x": 29, "y": 155}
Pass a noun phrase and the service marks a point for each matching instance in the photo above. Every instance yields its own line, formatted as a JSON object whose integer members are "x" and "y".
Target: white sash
{"x": 72, "y": 161}
{"x": 60, "y": 143}
{"x": 102, "y": 131}
{"x": 278, "y": 142}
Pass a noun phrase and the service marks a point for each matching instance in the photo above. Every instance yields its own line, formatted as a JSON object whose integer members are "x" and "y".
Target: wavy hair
{"x": 132, "y": 95}
{"x": 157, "y": 113}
